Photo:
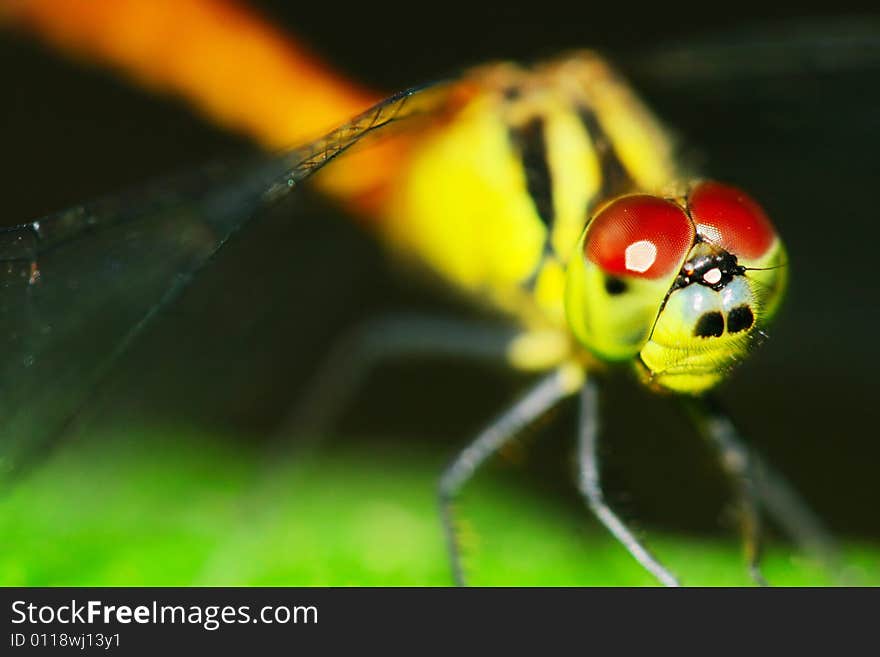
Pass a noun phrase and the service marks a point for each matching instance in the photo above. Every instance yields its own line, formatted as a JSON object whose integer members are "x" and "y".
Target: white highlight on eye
{"x": 639, "y": 256}
{"x": 712, "y": 276}
{"x": 709, "y": 233}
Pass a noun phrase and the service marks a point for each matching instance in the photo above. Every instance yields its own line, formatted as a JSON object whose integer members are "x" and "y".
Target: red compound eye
{"x": 730, "y": 218}
{"x": 642, "y": 236}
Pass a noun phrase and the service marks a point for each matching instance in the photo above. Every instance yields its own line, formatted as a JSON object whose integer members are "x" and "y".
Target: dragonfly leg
{"x": 383, "y": 339}
{"x": 539, "y": 399}
{"x": 739, "y": 465}
{"x": 795, "y": 516}
{"x": 591, "y": 486}
{"x": 763, "y": 485}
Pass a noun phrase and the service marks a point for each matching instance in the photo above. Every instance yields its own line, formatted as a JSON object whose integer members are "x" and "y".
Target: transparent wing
{"x": 78, "y": 286}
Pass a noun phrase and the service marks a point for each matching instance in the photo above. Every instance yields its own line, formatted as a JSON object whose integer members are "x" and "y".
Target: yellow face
{"x": 682, "y": 287}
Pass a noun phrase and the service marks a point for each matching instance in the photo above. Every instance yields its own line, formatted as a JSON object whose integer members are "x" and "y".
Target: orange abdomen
{"x": 231, "y": 64}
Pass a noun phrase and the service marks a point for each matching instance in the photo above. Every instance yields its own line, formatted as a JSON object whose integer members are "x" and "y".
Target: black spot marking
{"x": 512, "y": 93}
{"x": 615, "y": 178}
{"x": 529, "y": 140}
{"x": 710, "y": 325}
{"x": 739, "y": 319}
{"x": 614, "y": 285}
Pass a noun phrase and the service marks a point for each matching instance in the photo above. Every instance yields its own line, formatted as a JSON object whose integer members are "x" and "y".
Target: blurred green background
{"x": 173, "y": 508}
{"x": 174, "y": 474}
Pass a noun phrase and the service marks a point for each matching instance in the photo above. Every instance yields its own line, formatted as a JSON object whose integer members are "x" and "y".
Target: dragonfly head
{"x": 682, "y": 286}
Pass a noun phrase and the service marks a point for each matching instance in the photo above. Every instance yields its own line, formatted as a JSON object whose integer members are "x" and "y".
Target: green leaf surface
{"x": 176, "y": 509}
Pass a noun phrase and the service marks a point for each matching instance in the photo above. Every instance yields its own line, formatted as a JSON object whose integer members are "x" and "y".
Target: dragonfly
{"x": 549, "y": 192}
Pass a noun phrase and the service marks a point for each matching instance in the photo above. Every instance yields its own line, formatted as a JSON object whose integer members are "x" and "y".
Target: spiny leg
{"x": 738, "y": 464}
{"x": 537, "y": 401}
{"x": 795, "y": 517}
{"x": 777, "y": 496}
{"x": 387, "y": 338}
{"x": 591, "y": 486}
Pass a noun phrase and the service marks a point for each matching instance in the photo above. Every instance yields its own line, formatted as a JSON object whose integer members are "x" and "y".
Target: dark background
{"x": 796, "y": 124}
